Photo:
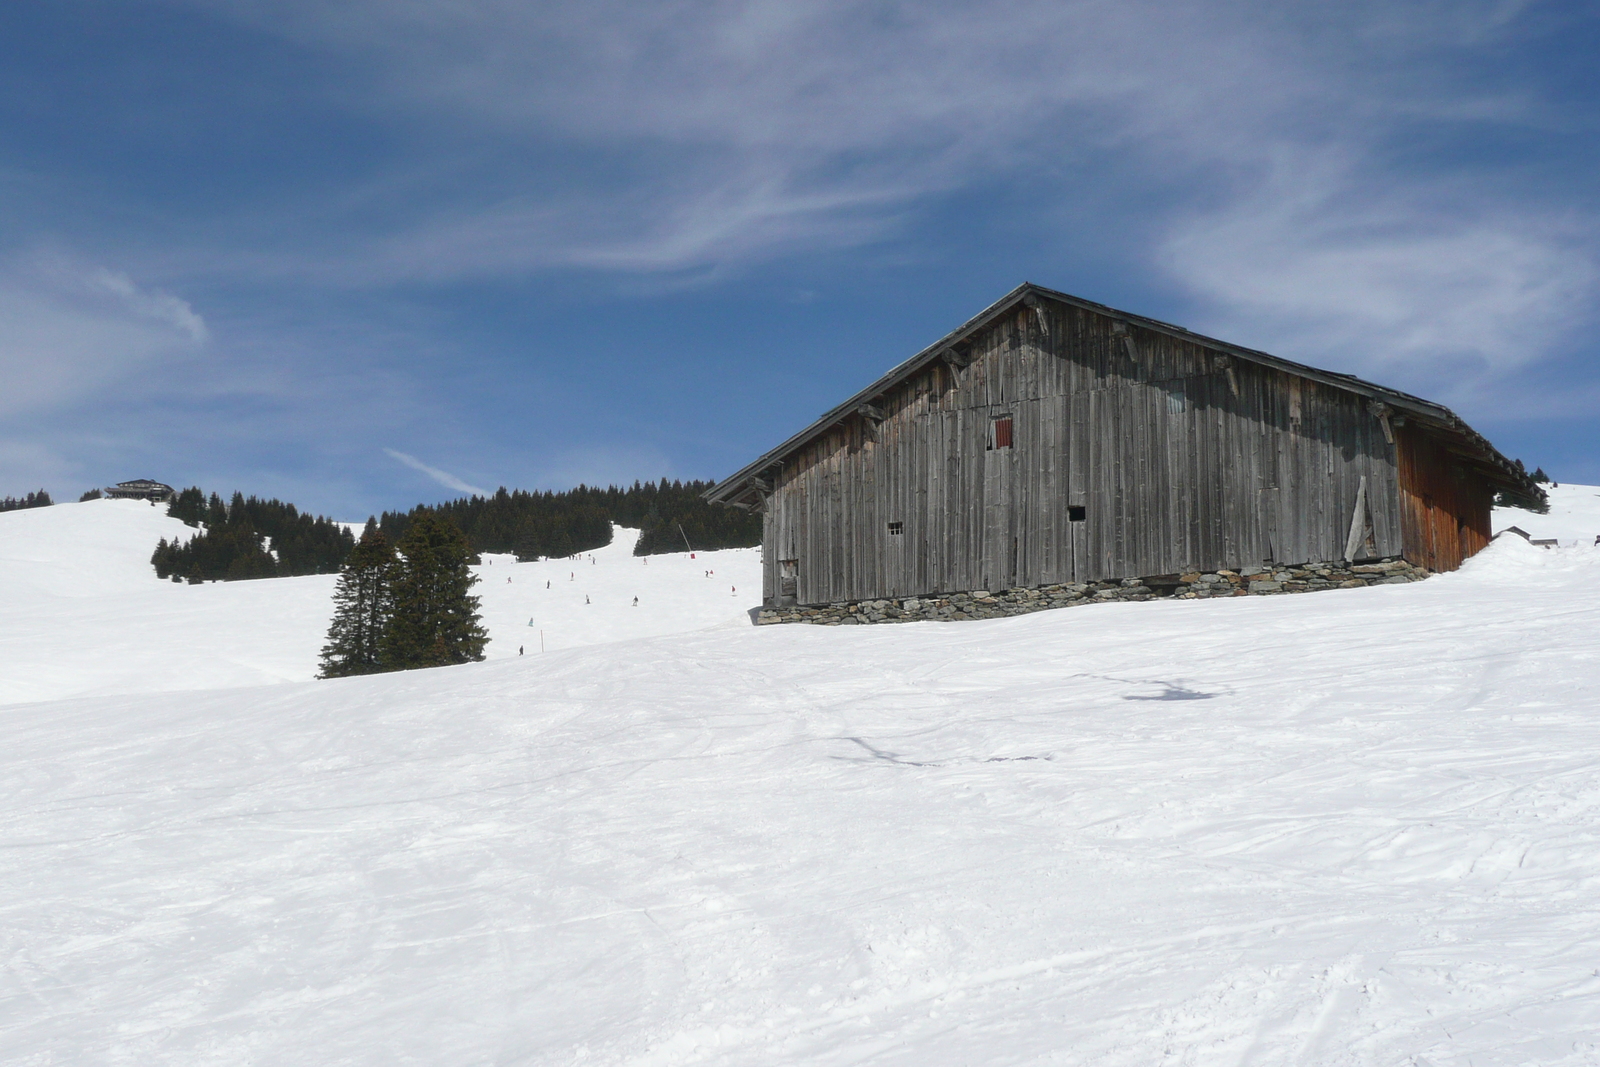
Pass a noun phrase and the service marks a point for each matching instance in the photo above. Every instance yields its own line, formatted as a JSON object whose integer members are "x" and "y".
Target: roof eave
{"x": 736, "y": 485}
{"x": 724, "y": 490}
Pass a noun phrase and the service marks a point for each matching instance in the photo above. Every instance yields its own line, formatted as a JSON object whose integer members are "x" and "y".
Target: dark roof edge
{"x": 1516, "y": 479}
{"x": 724, "y": 490}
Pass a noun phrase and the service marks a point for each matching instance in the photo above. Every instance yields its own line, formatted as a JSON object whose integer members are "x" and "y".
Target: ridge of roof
{"x": 1516, "y": 478}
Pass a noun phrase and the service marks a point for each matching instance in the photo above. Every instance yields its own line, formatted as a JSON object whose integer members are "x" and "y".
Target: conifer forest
{"x": 249, "y": 538}
{"x": 671, "y": 517}
{"x": 41, "y": 499}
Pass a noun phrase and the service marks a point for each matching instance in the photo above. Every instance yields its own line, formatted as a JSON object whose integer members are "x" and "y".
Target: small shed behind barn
{"x": 1052, "y": 439}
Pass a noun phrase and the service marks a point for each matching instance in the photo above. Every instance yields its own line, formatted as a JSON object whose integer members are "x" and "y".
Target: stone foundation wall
{"x": 983, "y": 604}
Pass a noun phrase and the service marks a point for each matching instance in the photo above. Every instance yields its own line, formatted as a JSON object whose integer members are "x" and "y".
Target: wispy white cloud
{"x": 1455, "y": 295}
{"x": 444, "y": 478}
{"x": 763, "y": 128}
{"x": 148, "y": 303}
{"x": 723, "y": 221}
{"x": 70, "y": 330}
{"x": 1240, "y": 156}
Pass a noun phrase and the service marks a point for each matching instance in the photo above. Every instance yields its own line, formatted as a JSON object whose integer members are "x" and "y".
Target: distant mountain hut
{"x": 1055, "y": 440}
{"x": 141, "y": 489}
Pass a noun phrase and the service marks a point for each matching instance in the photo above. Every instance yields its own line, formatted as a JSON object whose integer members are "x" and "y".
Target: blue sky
{"x": 364, "y": 253}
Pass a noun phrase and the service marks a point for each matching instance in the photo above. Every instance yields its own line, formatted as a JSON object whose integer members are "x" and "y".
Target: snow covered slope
{"x": 589, "y": 600}
{"x": 84, "y": 612}
{"x": 1359, "y": 827}
{"x": 1574, "y": 516}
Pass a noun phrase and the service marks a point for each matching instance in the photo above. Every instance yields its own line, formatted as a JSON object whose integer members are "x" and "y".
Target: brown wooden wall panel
{"x": 1444, "y": 509}
{"x": 1182, "y": 458}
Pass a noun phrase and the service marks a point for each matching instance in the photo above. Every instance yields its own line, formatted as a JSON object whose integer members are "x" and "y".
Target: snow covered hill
{"x": 85, "y": 614}
{"x": 1356, "y": 827}
{"x": 1574, "y": 517}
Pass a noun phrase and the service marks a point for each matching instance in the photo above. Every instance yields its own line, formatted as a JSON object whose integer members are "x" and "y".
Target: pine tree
{"x": 41, "y": 499}
{"x": 216, "y": 513}
{"x": 249, "y": 558}
{"x": 189, "y": 505}
{"x": 435, "y": 619}
{"x": 363, "y": 608}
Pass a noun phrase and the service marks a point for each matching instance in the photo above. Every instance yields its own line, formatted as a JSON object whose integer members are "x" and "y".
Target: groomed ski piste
{"x": 1353, "y": 827}
{"x": 84, "y": 613}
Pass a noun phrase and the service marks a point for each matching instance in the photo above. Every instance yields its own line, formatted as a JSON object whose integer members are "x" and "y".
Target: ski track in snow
{"x": 1356, "y": 827}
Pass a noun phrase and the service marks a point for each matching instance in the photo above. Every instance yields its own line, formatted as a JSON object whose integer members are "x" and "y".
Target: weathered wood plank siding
{"x": 1181, "y": 457}
{"x": 1444, "y": 512}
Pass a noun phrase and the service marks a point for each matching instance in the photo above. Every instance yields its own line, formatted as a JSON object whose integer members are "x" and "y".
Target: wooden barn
{"x": 1051, "y": 439}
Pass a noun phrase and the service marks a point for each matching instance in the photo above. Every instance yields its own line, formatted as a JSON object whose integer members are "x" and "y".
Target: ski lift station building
{"x": 1051, "y": 439}
{"x": 141, "y": 489}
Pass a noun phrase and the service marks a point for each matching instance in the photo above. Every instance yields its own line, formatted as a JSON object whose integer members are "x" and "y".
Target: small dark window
{"x": 1077, "y": 513}
{"x": 1000, "y": 432}
{"x": 896, "y": 529}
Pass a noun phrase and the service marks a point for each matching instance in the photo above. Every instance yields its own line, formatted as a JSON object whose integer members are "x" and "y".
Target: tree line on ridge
{"x": 248, "y": 537}
{"x": 671, "y": 517}
{"x": 41, "y": 499}
{"x": 234, "y": 543}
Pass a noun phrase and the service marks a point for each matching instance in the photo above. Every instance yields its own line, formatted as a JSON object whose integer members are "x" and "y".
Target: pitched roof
{"x": 1505, "y": 474}
{"x": 141, "y": 487}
